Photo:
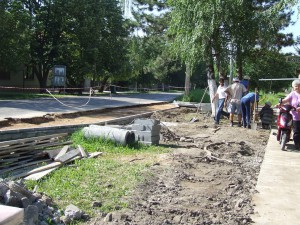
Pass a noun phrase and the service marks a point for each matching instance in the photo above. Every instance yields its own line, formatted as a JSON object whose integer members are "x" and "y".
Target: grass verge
{"x": 107, "y": 179}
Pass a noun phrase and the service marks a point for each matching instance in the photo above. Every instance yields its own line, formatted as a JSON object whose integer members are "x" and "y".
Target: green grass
{"x": 271, "y": 97}
{"x": 20, "y": 95}
{"x": 196, "y": 96}
{"x": 106, "y": 179}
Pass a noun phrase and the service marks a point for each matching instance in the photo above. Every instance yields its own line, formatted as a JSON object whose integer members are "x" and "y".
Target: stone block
{"x": 147, "y": 138}
{"x": 149, "y": 122}
{"x": 154, "y": 129}
{"x": 11, "y": 215}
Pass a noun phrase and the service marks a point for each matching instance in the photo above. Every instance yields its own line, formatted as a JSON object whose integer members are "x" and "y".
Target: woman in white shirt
{"x": 222, "y": 96}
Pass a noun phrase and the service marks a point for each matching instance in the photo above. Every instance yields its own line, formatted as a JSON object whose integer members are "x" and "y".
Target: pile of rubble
{"x": 38, "y": 208}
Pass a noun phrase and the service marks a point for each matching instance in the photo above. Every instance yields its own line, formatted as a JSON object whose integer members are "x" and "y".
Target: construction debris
{"x": 38, "y": 208}
{"x": 26, "y": 158}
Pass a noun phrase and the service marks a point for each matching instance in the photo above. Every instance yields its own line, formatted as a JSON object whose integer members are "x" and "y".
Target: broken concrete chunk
{"x": 72, "y": 212}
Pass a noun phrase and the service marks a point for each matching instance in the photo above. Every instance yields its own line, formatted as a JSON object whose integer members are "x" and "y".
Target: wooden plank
{"x": 14, "y": 164}
{"x": 95, "y": 154}
{"x": 54, "y": 144}
{"x": 26, "y": 146}
{"x": 23, "y": 145}
{"x": 52, "y": 153}
{"x": 63, "y": 151}
{"x": 24, "y": 164}
{"x": 69, "y": 155}
{"x": 6, "y": 143}
{"x": 39, "y": 175}
{"x": 14, "y": 158}
{"x": 36, "y": 170}
{"x": 82, "y": 151}
{"x": 43, "y": 168}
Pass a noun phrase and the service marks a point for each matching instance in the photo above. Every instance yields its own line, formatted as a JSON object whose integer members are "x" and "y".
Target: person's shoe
{"x": 239, "y": 124}
{"x": 249, "y": 126}
{"x": 216, "y": 122}
{"x": 231, "y": 124}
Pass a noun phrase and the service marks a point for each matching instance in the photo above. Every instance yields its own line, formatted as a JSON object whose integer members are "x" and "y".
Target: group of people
{"x": 242, "y": 103}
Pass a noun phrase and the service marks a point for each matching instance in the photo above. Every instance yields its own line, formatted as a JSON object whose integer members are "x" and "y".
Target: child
{"x": 266, "y": 115}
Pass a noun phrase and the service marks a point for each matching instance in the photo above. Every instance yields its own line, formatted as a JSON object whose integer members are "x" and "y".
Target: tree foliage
{"x": 205, "y": 30}
{"x": 13, "y": 36}
{"x": 88, "y": 36}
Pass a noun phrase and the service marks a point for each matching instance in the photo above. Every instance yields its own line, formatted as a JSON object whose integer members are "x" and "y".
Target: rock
{"x": 177, "y": 219}
{"x": 25, "y": 202}
{"x": 47, "y": 200}
{"x": 12, "y": 199}
{"x": 72, "y": 212}
{"x": 22, "y": 190}
{"x": 108, "y": 218}
{"x": 3, "y": 188}
{"x": 97, "y": 204}
{"x": 31, "y": 215}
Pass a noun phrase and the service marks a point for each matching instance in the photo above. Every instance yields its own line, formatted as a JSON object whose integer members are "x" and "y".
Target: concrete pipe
{"x": 121, "y": 136}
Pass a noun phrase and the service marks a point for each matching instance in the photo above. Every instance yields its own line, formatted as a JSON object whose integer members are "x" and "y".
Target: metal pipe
{"x": 264, "y": 79}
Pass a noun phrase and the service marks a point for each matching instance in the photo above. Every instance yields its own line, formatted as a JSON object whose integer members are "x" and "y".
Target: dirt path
{"x": 209, "y": 178}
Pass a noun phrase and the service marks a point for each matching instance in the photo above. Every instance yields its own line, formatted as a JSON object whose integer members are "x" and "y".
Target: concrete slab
{"x": 11, "y": 215}
{"x": 278, "y": 185}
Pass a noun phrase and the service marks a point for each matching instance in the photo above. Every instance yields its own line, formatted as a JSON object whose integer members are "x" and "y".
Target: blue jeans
{"x": 246, "y": 112}
{"x": 220, "y": 110}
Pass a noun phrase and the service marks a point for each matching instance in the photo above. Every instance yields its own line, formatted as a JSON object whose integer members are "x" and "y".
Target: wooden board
{"x": 24, "y": 140}
{"x": 69, "y": 155}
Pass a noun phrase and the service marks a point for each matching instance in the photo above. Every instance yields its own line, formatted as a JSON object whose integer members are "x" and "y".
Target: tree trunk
{"x": 103, "y": 83}
{"x": 239, "y": 63}
{"x": 187, "y": 79}
{"x": 211, "y": 80}
{"x": 42, "y": 76}
{"x": 212, "y": 86}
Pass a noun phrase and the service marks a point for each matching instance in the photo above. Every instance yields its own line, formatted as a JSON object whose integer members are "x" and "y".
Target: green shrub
{"x": 196, "y": 96}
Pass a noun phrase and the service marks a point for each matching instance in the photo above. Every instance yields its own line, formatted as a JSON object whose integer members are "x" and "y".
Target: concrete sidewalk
{"x": 278, "y": 199}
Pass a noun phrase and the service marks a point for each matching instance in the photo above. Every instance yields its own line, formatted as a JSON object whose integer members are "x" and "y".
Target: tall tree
{"x": 101, "y": 34}
{"x": 151, "y": 23}
{"x": 203, "y": 30}
{"x": 45, "y": 20}
{"x": 13, "y": 36}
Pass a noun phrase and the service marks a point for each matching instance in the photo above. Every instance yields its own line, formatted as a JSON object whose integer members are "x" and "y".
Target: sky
{"x": 295, "y": 29}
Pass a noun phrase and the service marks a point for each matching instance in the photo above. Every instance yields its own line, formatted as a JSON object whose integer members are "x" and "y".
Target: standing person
{"x": 246, "y": 82}
{"x": 294, "y": 100}
{"x": 247, "y": 105}
{"x": 235, "y": 92}
{"x": 266, "y": 116}
{"x": 222, "y": 96}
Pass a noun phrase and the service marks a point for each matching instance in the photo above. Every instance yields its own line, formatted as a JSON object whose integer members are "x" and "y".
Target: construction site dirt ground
{"x": 209, "y": 177}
